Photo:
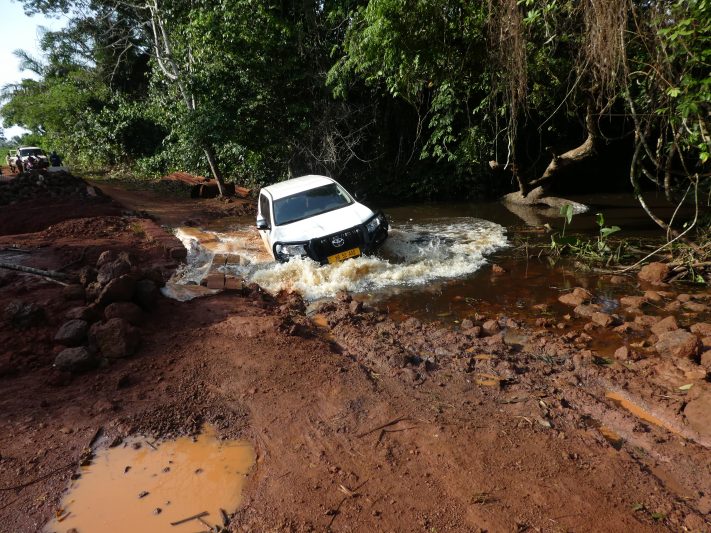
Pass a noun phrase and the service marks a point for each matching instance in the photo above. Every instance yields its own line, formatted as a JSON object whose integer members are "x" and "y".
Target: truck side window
{"x": 264, "y": 209}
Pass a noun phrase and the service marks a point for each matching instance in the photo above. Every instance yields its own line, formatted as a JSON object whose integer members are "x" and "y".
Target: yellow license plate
{"x": 355, "y": 252}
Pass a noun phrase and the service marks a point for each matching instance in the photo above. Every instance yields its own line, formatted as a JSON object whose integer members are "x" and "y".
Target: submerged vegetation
{"x": 427, "y": 99}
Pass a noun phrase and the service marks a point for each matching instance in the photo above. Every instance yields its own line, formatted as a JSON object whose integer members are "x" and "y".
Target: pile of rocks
{"x": 32, "y": 185}
{"x": 638, "y": 316}
{"x": 117, "y": 296}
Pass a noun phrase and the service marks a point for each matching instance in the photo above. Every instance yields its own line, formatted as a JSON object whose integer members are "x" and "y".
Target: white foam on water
{"x": 413, "y": 255}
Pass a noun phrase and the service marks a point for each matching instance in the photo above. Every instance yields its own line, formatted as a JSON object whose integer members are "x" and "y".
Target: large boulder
{"x": 113, "y": 270}
{"x": 72, "y": 333}
{"x": 118, "y": 290}
{"x": 146, "y": 294}
{"x": 128, "y": 311}
{"x": 654, "y": 273}
{"x": 114, "y": 338}
{"x": 105, "y": 257}
{"x": 677, "y": 343}
{"x": 74, "y": 359}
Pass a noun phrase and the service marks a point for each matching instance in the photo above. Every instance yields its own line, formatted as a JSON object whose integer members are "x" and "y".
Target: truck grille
{"x": 338, "y": 242}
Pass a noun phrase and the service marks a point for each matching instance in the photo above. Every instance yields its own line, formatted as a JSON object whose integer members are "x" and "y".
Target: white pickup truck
{"x": 19, "y": 158}
{"x": 313, "y": 216}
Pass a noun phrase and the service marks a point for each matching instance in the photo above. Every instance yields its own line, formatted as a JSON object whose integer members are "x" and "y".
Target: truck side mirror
{"x": 262, "y": 224}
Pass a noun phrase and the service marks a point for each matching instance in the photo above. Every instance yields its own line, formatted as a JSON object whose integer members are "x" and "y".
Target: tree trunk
{"x": 576, "y": 155}
{"x": 215, "y": 169}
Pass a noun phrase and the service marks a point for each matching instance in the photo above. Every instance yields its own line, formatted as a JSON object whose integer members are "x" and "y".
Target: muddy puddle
{"x": 143, "y": 486}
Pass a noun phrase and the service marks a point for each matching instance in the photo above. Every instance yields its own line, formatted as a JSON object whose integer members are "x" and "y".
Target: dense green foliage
{"x": 409, "y": 97}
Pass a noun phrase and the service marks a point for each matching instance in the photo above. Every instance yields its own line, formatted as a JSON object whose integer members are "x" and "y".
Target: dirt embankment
{"x": 359, "y": 422}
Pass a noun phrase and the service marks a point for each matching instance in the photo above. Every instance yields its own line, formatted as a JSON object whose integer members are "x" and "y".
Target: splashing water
{"x": 413, "y": 255}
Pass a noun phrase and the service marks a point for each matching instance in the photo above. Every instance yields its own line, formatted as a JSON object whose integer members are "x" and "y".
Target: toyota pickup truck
{"x": 313, "y": 216}
{"x": 19, "y": 158}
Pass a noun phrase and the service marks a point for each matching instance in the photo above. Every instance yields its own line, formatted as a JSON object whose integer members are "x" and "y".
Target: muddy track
{"x": 359, "y": 424}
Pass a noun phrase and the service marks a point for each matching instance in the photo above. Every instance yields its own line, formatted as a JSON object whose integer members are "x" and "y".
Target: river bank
{"x": 495, "y": 417}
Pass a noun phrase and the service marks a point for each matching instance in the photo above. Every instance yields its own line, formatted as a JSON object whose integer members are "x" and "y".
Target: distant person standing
{"x": 54, "y": 159}
{"x": 10, "y": 162}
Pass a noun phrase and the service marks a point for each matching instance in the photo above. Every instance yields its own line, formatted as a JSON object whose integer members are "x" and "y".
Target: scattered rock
{"x": 115, "y": 338}
{"x": 673, "y": 307}
{"x": 118, "y": 290}
{"x": 355, "y": 307}
{"x": 491, "y": 327}
{"x": 622, "y": 353}
{"x": 706, "y": 360}
{"x": 87, "y": 275}
{"x": 646, "y": 320}
{"x": 633, "y": 301}
{"x": 24, "y": 315}
{"x": 683, "y": 298}
{"x": 703, "y": 329}
{"x": 105, "y": 257}
{"x": 654, "y": 273}
{"x": 498, "y": 269}
{"x": 586, "y": 311}
{"x": 704, "y": 505}
{"x": 696, "y": 307}
{"x": 467, "y": 324}
{"x": 93, "y": 290}
{"x": 677, "y": 343}
{"x": 653, "y": 296}
{"x": 72, "y": 333}
{"x": 664, "y": 325}
{"x": 578, "y": 297}
{"x": 617, "y": 280}
{"x": 128, "y": 311}
{"x": 629, "y": 327}
{"x": 602, "y": 319}
{"x": 75, "y": 359}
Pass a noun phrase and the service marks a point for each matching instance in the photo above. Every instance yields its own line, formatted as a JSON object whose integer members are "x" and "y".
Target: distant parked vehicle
{"x": 20, "y": 158}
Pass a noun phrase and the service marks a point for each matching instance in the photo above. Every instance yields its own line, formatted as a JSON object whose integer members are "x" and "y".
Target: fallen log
{"x": 49, "y": 275}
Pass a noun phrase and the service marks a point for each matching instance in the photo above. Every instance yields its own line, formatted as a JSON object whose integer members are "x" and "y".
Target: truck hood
{"x": 322, "y": 225}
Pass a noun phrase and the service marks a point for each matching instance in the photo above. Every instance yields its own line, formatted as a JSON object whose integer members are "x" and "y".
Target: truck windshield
{"x": 310, "y": 203}
{"x": 31, "y": 151}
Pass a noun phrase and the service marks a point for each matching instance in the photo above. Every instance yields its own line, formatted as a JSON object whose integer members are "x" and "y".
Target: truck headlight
{"x": 374, "y": 223}
{"x": 287, "y": 251}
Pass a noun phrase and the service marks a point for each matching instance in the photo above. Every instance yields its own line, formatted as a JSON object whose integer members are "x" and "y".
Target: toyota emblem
{"x": 337, "y": 242}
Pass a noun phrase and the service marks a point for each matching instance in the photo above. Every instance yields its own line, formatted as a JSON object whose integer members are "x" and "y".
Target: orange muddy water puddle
{"x": 142, "y": 486}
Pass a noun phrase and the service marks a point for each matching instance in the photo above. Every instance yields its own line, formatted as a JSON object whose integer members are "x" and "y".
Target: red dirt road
{"x": 345, "y": 440}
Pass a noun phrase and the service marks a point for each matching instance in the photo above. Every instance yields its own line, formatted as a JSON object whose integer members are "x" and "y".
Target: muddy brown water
{"x": 143, "y": 486}
{"x": 436, "y": 264}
